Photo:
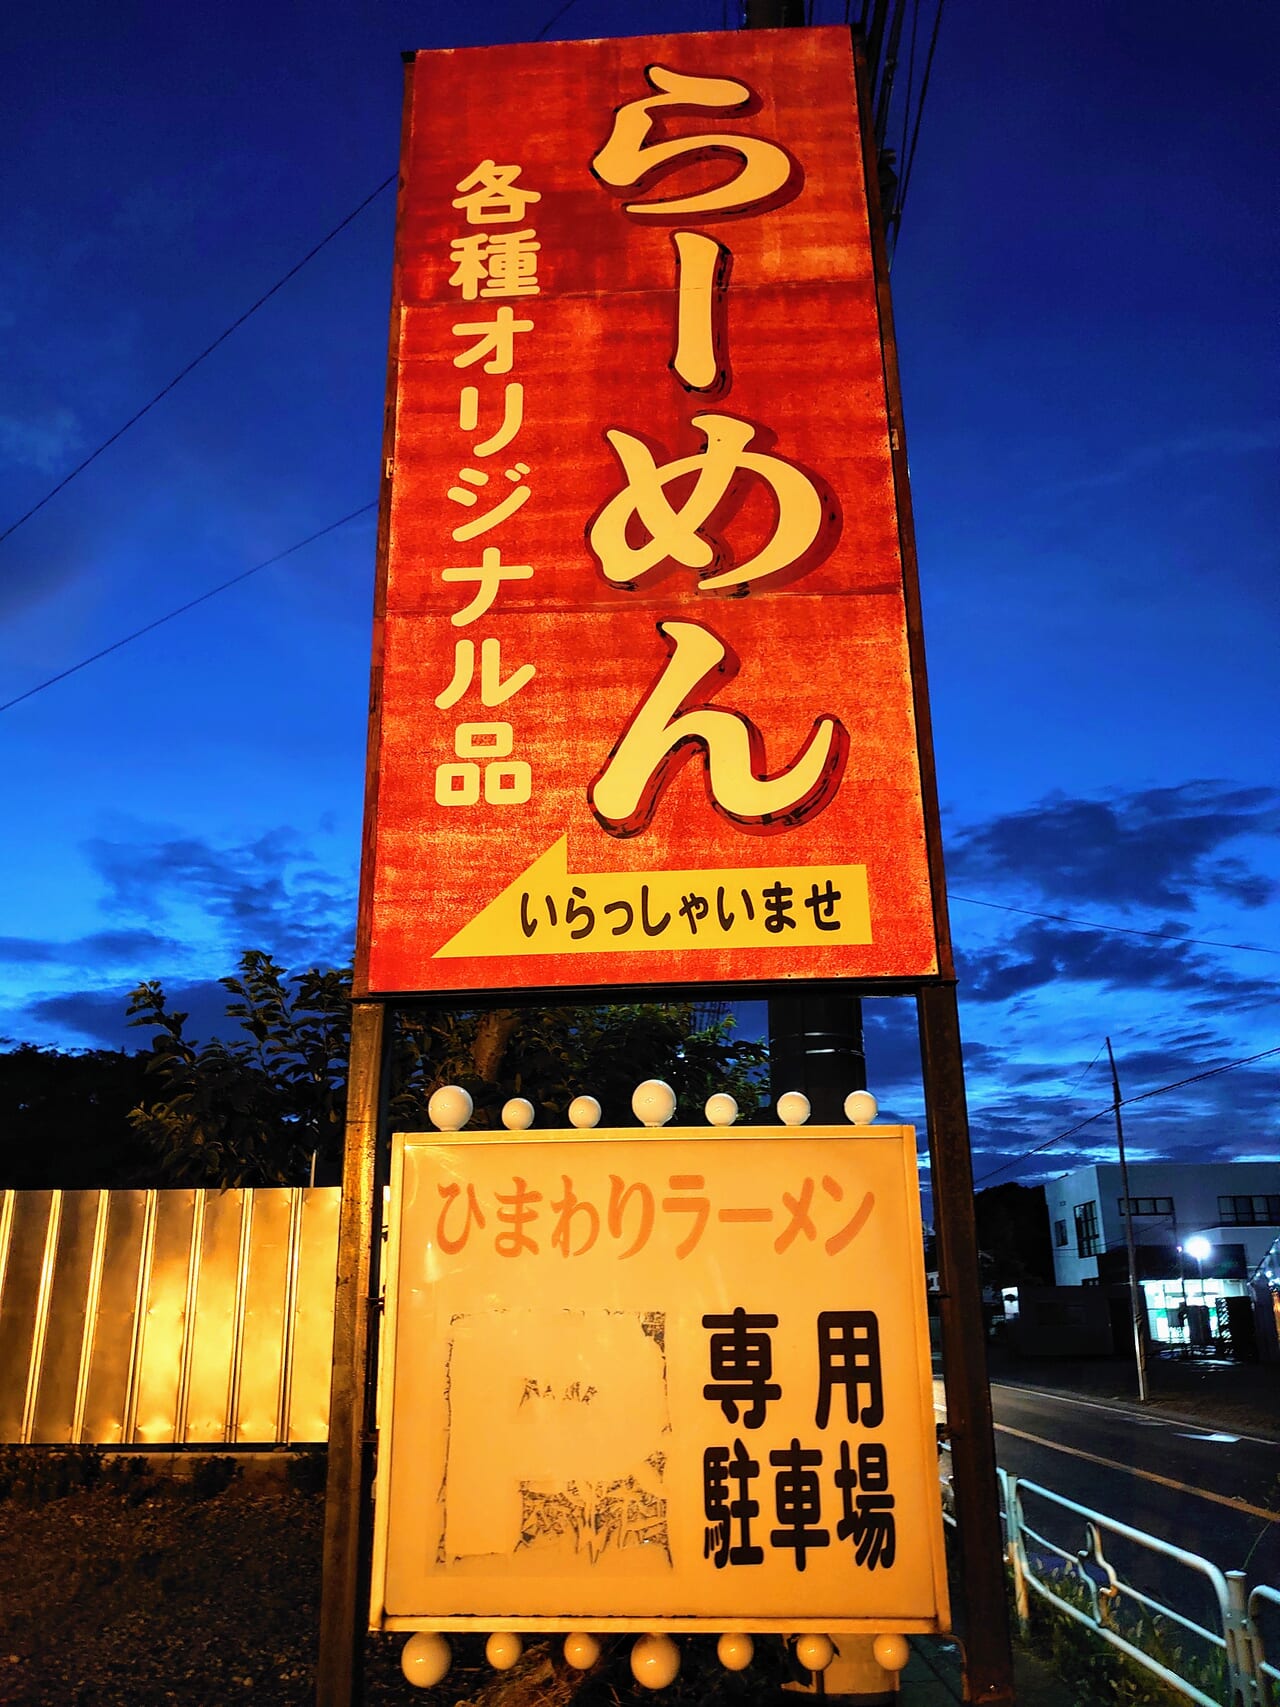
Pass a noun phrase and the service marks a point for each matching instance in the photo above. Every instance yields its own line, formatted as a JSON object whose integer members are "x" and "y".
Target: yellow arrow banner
{"x": 546, "y": 910}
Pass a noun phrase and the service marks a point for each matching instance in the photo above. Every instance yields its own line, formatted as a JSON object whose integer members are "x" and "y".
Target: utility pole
{"x": 1135, "y": 1304}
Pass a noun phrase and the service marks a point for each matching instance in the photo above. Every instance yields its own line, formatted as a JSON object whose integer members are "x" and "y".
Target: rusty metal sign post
{"x": 648, "y": 704}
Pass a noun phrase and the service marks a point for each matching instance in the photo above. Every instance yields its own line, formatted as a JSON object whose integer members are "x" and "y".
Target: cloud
{"x": 1154, "y": 848}
{"x": 1211, "y": 445}
{"x": 45, "y": 441}
{"x": 102, "y": 948}
{"x": 1207, "y": 1119}
{"x": 265, "y": 893}
{"x": 1042, "y": 954}
{"x": 101, "y": 1016}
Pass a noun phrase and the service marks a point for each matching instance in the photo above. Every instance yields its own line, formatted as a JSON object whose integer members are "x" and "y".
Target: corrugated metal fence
{"x": 157, "y": 1318}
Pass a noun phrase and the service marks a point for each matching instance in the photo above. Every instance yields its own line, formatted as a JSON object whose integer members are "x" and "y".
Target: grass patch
{"x": 1100, "y": 1675}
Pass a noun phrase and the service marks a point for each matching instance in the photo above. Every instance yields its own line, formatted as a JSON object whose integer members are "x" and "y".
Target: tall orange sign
{"x": 644, "y": 701}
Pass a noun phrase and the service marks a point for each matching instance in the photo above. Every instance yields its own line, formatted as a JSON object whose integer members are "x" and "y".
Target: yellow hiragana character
{"x": 624, "y": 796}
{"x": 627, "y": 157}
{"x": 676, "y": 533}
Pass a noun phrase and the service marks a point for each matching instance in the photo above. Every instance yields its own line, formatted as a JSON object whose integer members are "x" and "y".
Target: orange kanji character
{"x": 505, "y": 263}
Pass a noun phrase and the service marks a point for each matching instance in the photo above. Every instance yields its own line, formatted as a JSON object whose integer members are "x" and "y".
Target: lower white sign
{"x": 668, "y": 1379}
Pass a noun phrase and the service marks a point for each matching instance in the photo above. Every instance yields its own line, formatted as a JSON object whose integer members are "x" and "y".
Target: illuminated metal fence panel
{"x": 25, "y": 1229}
{"x": 162, "y": 1337}
{"x": 53, "y": 1400}
{"x": 110, "y": 1339}
{"x": 157, "y": 1318}
{"x": 258, "y": 1413}
{"x": 213, "y": 1330}
{"x": 317, "y": 1257}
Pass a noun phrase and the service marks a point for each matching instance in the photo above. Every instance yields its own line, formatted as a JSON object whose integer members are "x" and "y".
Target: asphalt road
{"x": 1215, "y": 1494}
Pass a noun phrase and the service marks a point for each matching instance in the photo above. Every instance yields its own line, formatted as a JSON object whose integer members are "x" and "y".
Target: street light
{"x": 1198, "y": 1246}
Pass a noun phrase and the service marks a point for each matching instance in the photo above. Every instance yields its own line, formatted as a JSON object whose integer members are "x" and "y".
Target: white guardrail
{"x": 1085, "y": 1585}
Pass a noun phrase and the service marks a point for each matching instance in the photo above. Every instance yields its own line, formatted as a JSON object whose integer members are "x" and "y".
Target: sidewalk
{"x": 932, "y": 1678}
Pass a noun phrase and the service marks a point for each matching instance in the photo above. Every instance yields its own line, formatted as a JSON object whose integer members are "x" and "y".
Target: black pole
{"x": 1136, "y": 1312}
{"x": 815, "y": 1046}
{"x": 774, "y": 14}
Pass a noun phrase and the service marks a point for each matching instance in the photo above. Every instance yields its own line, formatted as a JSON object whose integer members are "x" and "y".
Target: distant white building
{"x": 1203, "y": 1232}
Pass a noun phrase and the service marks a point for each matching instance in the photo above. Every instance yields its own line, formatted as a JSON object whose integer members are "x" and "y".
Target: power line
{"x": 911, "y": 78}
{"x": 195, "y": 363}
{"x": 1077, "y": 1082}
{"x": 1141, "y": 1096}
{"x": 909, "y": 162}
{"x": 1209, "y": 1073}
{"x": 1124, "y": 930}
{"x": 191, "y": 604}
{"x": 554, "y": 19}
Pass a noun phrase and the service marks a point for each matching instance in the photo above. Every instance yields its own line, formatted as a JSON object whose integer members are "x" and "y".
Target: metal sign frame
{"x": 984, "y": 1628}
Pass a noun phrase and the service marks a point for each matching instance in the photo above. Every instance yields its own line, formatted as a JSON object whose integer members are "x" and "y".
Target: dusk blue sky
{"x": 1085, "y": 290}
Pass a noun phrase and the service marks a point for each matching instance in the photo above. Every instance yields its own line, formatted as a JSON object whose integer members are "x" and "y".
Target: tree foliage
{"x": 64, "y": 1118}
{"x": 1013, "y": 1234}
{"x": 255, "y": 1110}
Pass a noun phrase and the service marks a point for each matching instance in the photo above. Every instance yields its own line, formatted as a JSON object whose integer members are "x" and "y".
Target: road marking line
{"x": 1124, "y": 1407}
{"x": 1146, "y": 1475}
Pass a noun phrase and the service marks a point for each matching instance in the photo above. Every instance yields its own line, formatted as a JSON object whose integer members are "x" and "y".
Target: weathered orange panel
{"x": 788, "y": 840}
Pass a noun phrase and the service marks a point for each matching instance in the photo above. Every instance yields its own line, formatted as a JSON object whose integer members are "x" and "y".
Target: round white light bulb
{"x": 450, "y": 1109}
{"x": 655, "y": 1662}
{"x": 584, "y": 1112}
{"x": 517, "y": 1115}
{"x": 891, "y": 1652}
{"x": 735, "y": 1650}
{"x": 653, "y": 1103}
{"x": 721, "y": 1109}
{"x": 793, "y": 1108}
{"x": 860, "y": 1108}
{"x": 426, "y": 1657}
{"x": 503, "y": 1649}
{"x": 581, "y": 1650}
{"x": 815, "y": 1653}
